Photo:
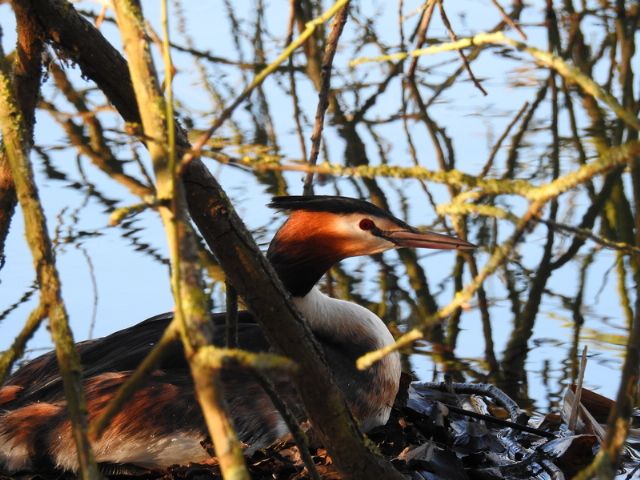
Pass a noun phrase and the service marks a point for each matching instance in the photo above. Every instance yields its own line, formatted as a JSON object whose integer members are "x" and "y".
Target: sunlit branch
{"x": 16, "y": 144}
{"x": 608, "y": 160}
{"x": 544, "y": 58}
{"x": 16, "y": 350}
{"x": 128, "y": 388}
{"x": 191, "y": 302}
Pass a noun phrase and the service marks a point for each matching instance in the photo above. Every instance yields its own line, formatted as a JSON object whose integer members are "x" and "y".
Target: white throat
{"x": 355, "y": 330}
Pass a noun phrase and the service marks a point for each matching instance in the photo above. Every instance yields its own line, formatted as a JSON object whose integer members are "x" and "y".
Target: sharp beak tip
{"x": 466, "y": 246}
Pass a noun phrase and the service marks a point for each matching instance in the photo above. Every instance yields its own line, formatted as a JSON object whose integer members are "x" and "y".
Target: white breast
{"x": 347, "y": 321}
{"x": 341, "y": 318}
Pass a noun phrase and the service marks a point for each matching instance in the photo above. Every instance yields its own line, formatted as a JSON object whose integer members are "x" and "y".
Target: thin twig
{"x": 607, "y": 161}
{"x": 496, "y": 147}
{"x": 292, "y": 81}
{"x": 421, "y": 36}
{"x": 508, "y": 20}
{"x": 128, "y": 388}
{"x": 588, "y": 234}
{"x": 454, "y": 38}
{"x": 323, "y": 94}
{"x": 231, "y": 317}
{"x": 299, "y": 436}
{"x": 16, "y": 350}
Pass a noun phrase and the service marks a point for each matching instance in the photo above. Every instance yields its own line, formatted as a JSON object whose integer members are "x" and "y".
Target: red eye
{"x": 366, "y": 224}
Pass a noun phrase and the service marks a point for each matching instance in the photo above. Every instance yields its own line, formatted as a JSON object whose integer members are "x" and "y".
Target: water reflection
{"x": 558, "y": 289}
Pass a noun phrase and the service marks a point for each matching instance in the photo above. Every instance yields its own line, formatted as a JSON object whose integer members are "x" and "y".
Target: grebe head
{"x": 322, "y": 230}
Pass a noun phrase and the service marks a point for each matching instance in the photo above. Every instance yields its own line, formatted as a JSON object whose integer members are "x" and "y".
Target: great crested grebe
{"x": 162, "y": 424}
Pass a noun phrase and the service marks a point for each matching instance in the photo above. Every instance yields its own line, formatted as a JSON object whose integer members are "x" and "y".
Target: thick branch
{"x": 188, "y": 289}
{"x": 254, "y": 278}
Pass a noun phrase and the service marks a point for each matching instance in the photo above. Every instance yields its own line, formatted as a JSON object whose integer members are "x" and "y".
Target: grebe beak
{"x": 416, "y": 239}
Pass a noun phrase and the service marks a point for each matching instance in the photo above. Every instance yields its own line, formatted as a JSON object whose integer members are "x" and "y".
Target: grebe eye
{"x": 367, "y": 224}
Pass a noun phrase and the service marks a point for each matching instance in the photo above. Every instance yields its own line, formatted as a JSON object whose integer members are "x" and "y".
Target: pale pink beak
{"x": 416, "y": 239}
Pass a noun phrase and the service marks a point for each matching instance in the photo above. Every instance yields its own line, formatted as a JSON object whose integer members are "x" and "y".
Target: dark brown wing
{"x": 122, "y": 351}
{"x": 160, "y": 425}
